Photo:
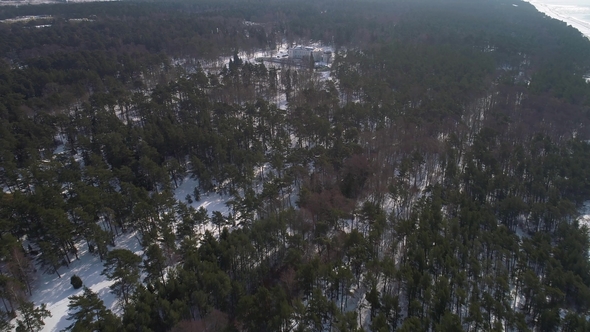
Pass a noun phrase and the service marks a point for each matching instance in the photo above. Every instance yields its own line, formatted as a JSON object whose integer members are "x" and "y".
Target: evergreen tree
{"x": 88, "y": 313}
{"x": 49, "y": 257}
{"x": 218, "y": 220}
{"x": 31, "y": 317}
{"x": 18, "y": 263}
{"x": 5, "y": 324}
{"x": 122, "y": 266}
{"x": 154, "y": 264}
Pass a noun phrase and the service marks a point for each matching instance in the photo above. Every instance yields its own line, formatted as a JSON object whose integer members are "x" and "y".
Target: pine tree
{"x": 186, "y": 225}
{"x": 5, "y": 325}
{"x": 49, "y": 257}
{"x": 218, "y": 220}
{"x": 31, "y": 318}
{"x": 154, "y": 264}
{"x": 101, "y": 239}
{"x": 122, "y": 266}
{"x": 18, "y": 264}
{"x": 90, "y": 314}
{"x": 10, "y": 292}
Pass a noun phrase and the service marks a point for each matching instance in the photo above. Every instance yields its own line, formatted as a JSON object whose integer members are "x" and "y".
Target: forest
{"x": 432, "y": 180}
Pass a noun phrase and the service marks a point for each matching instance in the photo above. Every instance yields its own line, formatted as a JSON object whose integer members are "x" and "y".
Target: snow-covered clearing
{"x": 54, "y": 291}
{"x": 209, "y": 201}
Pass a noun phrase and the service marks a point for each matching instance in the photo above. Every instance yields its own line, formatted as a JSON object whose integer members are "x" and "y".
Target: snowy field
{"x": 574, "y": 12}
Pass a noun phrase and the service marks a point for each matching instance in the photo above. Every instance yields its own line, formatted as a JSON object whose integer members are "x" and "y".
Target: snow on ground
{"x": 574, "y": 12}
{"x": 59, "y": 150}
{"x": 584, "y": 218}
{"x": 282, "y": 102}
{"x": 325, "y": 75}
{"x": 210, "y": 201}
{"x": 61, "y": 139}
{"x": 54, "y": 291}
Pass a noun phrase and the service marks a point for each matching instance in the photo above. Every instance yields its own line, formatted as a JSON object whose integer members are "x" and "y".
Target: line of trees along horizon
{"x": 433, "y": 183}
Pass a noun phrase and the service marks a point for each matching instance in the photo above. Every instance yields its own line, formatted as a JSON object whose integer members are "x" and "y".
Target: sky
{"x": 575, "y": 12}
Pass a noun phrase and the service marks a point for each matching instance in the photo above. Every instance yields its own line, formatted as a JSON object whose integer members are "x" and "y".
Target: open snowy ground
{"x": 54, "y": 291}
{"x": 210, "y": 201}
{"x": 574, "y": 12}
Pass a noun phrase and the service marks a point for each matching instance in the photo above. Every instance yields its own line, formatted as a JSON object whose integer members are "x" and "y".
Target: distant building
{"x": 318, "y": 54}
{"x": 300, "y": 52}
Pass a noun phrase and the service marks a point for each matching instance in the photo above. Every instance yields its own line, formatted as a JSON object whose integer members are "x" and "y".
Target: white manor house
{"x": 318, "y": 54}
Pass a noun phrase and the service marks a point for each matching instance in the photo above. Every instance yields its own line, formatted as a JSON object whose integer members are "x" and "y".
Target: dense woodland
{"x": 433, "y": 183}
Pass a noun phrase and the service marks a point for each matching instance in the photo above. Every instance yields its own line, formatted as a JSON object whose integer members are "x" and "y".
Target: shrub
{"x": 76, "y": 281}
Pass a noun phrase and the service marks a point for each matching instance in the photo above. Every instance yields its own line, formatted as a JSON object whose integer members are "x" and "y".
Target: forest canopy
{"x": 430, "y": 177}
